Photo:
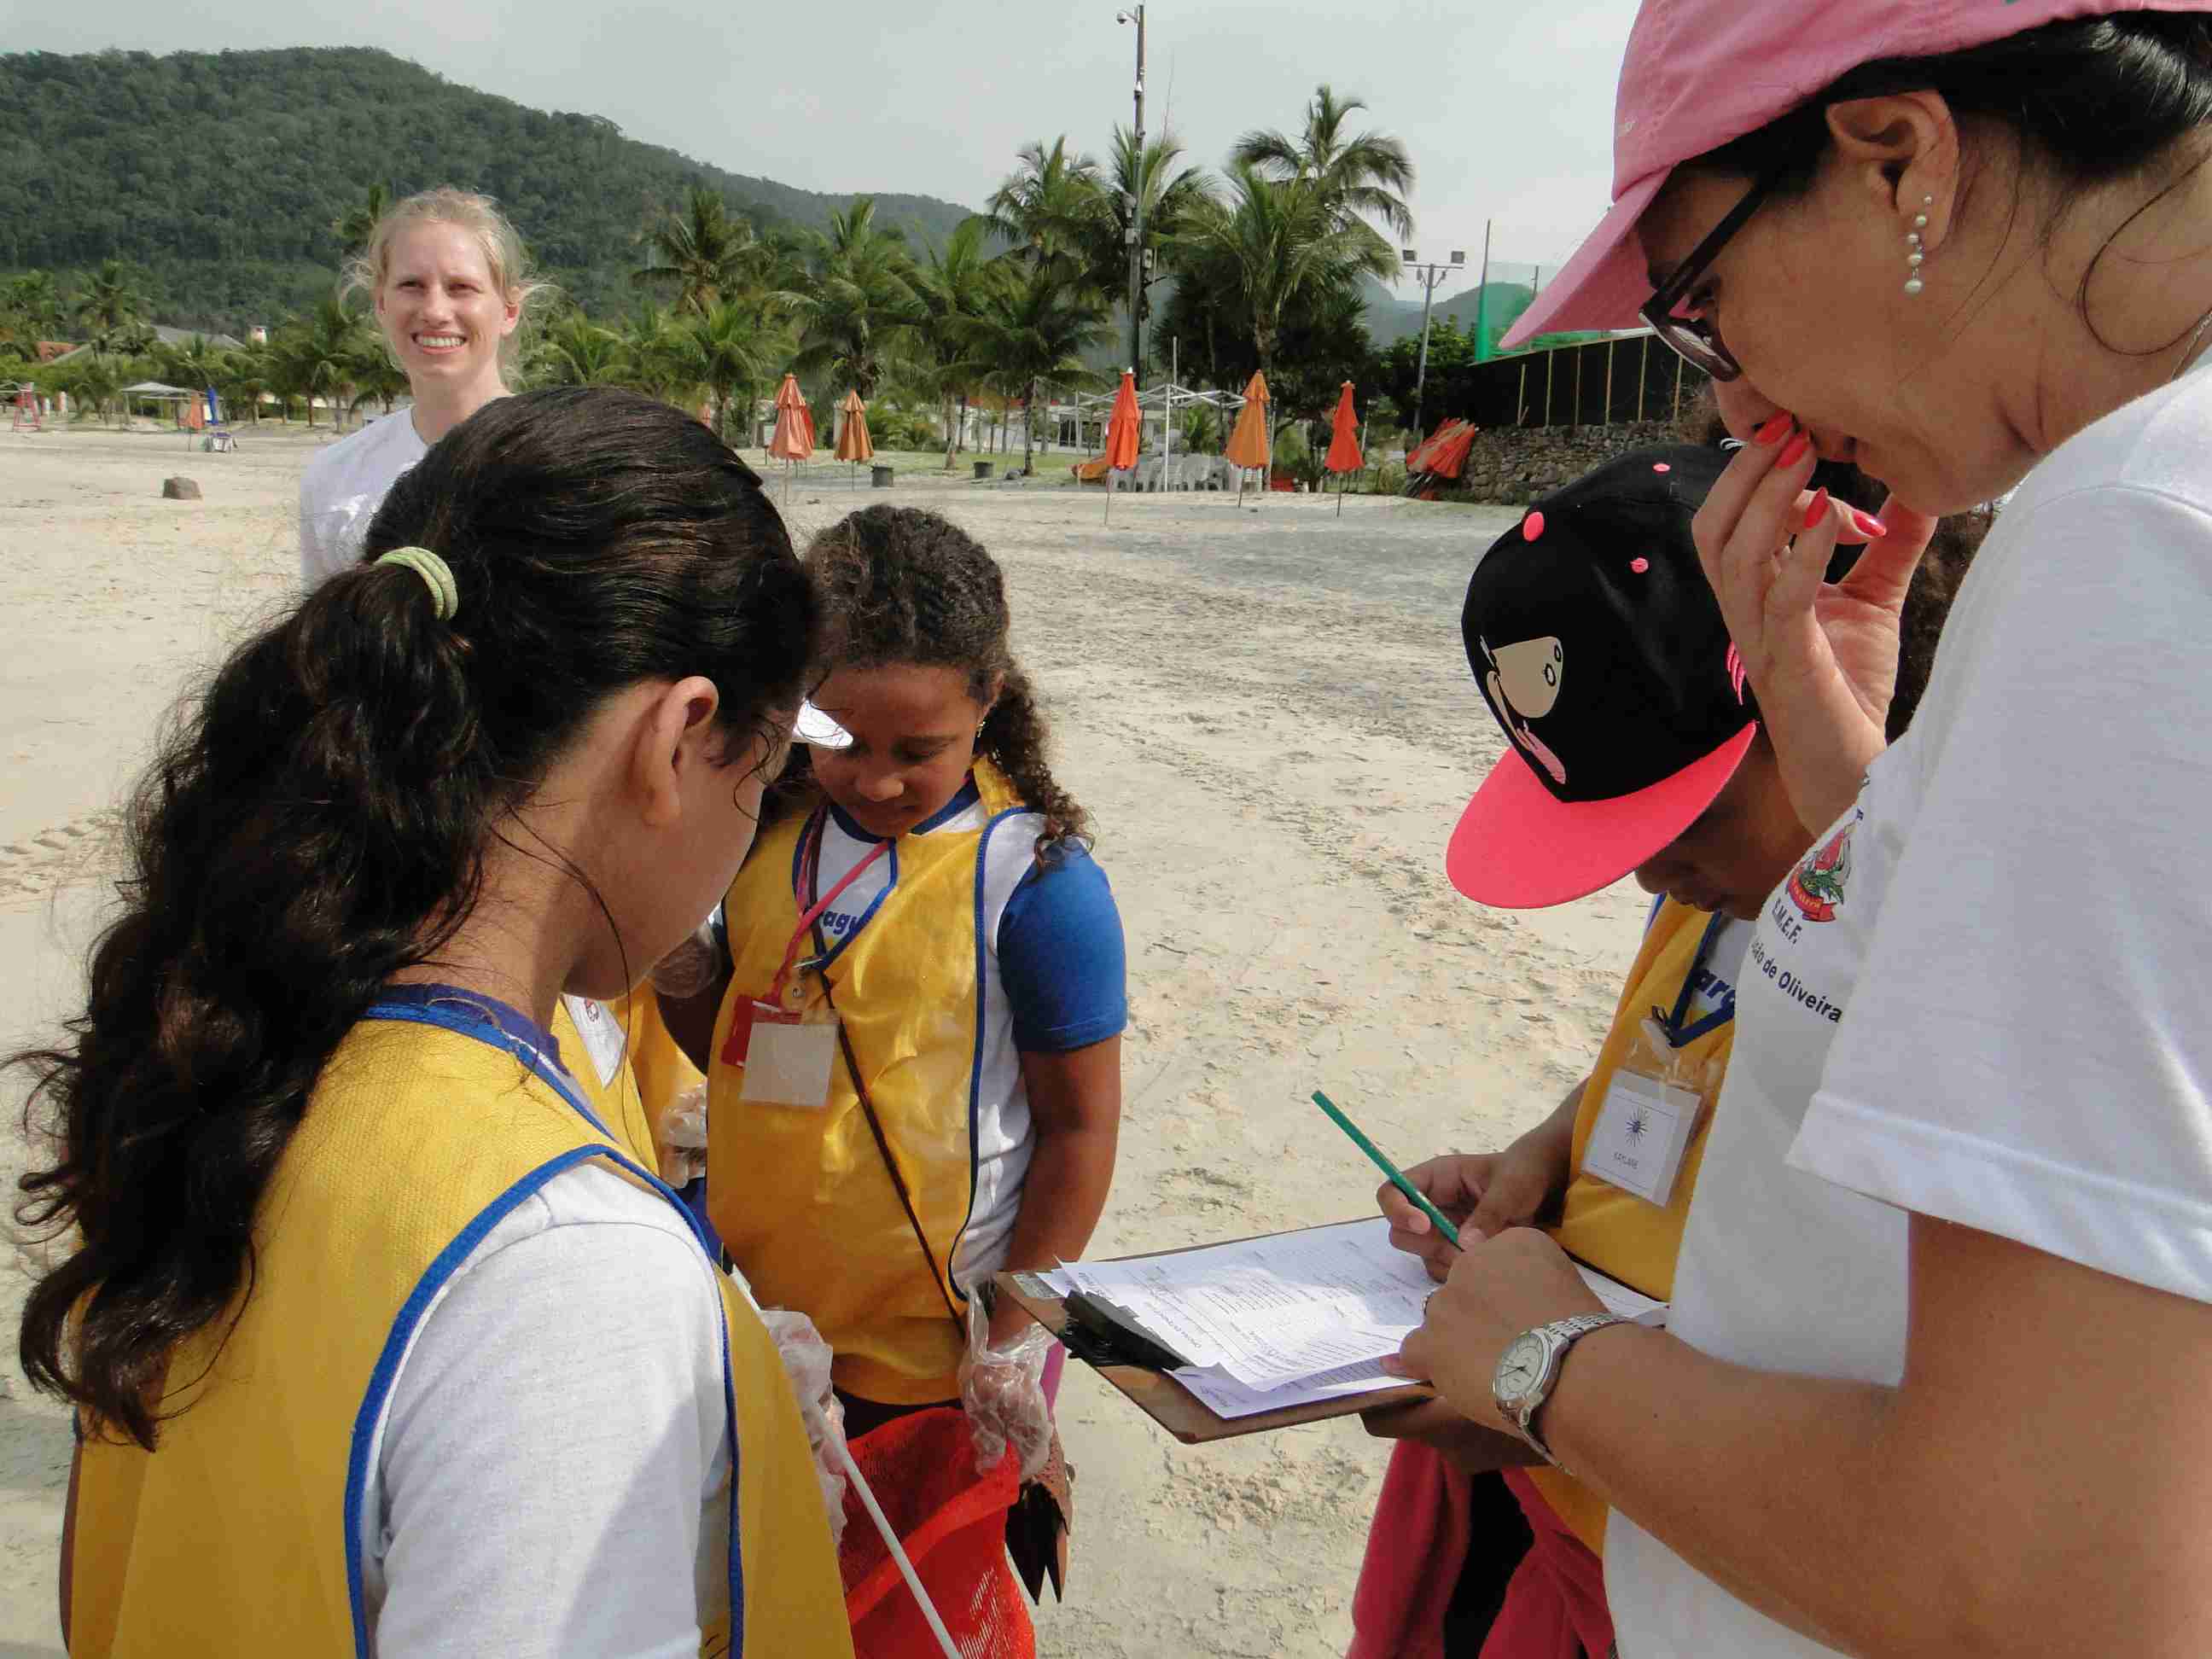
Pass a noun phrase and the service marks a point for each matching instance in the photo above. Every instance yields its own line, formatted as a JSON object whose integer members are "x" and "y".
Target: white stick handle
{"x": 906, "y": 1567}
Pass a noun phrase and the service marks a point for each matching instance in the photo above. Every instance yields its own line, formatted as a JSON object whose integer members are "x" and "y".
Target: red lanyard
{"x": 810, "y": 863}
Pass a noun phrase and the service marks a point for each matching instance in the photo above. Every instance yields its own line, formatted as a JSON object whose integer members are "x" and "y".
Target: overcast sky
{"x": 1507, "y": 109}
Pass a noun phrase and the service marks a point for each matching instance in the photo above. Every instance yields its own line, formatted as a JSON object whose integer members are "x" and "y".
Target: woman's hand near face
{"x": 1821, "y": 656}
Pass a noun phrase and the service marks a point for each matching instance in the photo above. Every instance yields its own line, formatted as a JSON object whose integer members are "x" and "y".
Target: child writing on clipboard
{"x": 1633, "y": 747}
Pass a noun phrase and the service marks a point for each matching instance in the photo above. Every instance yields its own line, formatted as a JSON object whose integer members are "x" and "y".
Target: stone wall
{"x": 1517, "y": 465}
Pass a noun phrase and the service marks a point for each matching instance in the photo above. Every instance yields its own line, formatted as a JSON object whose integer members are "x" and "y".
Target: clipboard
{"x": 1165, "y": 1400}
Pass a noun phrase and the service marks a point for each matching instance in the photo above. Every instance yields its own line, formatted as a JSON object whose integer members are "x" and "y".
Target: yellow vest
{"x": 236, "y": 1537}
{"x": 1613, "y": 1230}
{"x": 801, "y": 1195}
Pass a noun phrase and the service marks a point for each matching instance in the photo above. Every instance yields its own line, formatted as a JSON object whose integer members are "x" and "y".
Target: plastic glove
{"x": 690, "y": 968}
{"x": 684, "y": 1138}
{"x": 1002, "y": 1390}
{"x": 806, "y": 1357}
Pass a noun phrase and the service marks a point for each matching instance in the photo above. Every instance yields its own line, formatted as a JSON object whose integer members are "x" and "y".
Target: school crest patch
{"x": 1817, "y": 887}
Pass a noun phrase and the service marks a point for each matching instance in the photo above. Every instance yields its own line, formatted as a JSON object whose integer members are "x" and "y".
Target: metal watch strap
{"x": 1566, "y": 1332}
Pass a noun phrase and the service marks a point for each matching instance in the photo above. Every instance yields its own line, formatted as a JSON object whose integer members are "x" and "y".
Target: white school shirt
{"x": 1982, "y": 998}
{"x": 343, "y": 486}
{"x": 549, "y": 1474}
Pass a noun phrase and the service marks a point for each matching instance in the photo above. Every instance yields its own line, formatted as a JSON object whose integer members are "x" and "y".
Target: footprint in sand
{"x": 38, "y": 864}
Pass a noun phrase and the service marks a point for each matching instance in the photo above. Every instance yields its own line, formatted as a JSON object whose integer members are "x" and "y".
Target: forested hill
{"x": 220, "y": 173}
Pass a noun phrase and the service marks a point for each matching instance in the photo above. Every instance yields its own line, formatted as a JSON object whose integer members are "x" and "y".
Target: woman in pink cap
{"x": 1935, "y": 1376}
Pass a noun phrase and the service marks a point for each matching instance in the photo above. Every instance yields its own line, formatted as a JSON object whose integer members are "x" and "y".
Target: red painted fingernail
{"x": 1869, "y": 524}
{"x": 1794, "y": 451}
{"x": 1818, "y": 511}
{"x": 1773, "y": 431}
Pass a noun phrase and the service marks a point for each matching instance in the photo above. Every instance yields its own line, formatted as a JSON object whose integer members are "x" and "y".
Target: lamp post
{"x": 1428, "y": 274}
{"x": 1136, "y": 232}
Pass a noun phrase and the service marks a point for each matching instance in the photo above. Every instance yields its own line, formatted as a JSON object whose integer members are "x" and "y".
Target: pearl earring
{"x": 1917, "y": 251}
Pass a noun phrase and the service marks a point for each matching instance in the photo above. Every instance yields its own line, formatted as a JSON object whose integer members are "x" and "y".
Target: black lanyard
{"x": 1677, "y": 1035}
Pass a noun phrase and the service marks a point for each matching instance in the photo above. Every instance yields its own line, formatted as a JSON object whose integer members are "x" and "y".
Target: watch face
{"x": 1520, "y": 1367}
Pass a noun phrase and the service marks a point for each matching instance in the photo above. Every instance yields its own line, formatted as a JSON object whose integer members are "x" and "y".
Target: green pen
{"x": 1435, "y": 1215}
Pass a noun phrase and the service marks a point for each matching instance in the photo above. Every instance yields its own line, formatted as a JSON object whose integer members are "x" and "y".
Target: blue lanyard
{"x": 1677, "y": 1034}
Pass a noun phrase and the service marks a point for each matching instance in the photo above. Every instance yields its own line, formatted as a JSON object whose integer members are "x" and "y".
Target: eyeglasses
{"x": 1696, "y": 339}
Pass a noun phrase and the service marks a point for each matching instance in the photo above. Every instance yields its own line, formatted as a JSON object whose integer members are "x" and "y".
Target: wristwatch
{"x": 1530, "y": 1366}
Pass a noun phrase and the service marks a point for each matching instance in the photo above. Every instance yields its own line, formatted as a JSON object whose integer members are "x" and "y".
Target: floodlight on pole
{"x": 1428, "y": 274}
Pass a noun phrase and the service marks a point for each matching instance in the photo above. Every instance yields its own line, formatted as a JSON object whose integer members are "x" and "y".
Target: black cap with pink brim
{"x": 1603, "y": 655}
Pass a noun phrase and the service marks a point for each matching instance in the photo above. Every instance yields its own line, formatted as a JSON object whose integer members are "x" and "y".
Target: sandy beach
{"x": 1267, "y": 713}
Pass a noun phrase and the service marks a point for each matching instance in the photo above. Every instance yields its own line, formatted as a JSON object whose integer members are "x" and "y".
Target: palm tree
{"x": 951, "y": 291}
{"x": 1280, "y": 244}
{"x": 1036, "y": 329}
{"x": 703, "y": 251}
{"x": 34, "y": 301}
{"x": 1171, "y": 194}
{"x": 321, "y": 354}
{"x": 862, "y": 308}
{"x": 573, "y": 351}
{"x": 1360, "y": 175}
{"x": 358, "y": 223}
{"x": 730, "y": 347}
{"x": 1049, "y": 207}
{"x": 244, "y": 375}
{"x": 196, "y": 363}
{"x": 113, "y": 303}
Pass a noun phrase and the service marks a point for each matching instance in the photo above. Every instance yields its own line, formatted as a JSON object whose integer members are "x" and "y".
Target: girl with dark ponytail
{"x": 963, "y": 1117}
{"x": 379, "y": 1339}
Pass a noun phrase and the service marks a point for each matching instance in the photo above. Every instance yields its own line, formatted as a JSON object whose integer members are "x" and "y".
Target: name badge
{"x": 603, "y": 1034}
{"x": 786, "y": 1057}
{"x": 1642, "y": 1131}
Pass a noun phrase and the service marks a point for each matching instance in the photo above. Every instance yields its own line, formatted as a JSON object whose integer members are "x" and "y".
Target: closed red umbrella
{"x": 1250, "y": 445}
{"x": 1120, "y": 435}
{"x": 793, "y": 440}
{"x": 1343, "y": 456}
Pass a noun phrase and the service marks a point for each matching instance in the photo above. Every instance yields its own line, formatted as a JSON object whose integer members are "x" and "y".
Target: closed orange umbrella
{"x": 1343, "y": 456}
{"x": 853, "y": 443}
{"x": 1251, "y": 443}
{"x": 793, "y": 440}
{"x": 1122, "y": 434}
{"x": 1247, "y": 442}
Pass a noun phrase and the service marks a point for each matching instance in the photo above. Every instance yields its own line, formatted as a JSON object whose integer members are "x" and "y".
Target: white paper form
{"x": 1224, "y": 1396}
{"x": 1271, "y": 1311}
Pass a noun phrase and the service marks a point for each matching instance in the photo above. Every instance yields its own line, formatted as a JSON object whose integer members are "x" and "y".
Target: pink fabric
{"x": 1054, "y": 1363}
{"x": 1520, "y": 848}
{"x": 1555, "y": 1607}
{"x": 1700, "y": 72}
{"x": 1416, "y": 1545}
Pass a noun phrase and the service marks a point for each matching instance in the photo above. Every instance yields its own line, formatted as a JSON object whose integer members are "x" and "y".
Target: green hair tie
{"x": 433, "y": 571}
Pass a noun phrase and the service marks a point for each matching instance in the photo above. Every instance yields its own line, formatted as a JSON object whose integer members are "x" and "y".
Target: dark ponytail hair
{"x": 316, "y": 820}
{"x": 899, "y": 585}
{"x": 2091, "y": 100}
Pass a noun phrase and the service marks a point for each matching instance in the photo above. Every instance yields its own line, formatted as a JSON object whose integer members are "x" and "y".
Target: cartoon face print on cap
{"x": 1524, "y": 685}
{"x": 1525, "y": 677}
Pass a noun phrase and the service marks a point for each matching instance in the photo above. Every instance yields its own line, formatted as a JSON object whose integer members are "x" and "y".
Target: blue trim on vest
{"x": 450, "y": 1016}
{"x": 975, "y": 1061}
{"x": 441, "y": 1268}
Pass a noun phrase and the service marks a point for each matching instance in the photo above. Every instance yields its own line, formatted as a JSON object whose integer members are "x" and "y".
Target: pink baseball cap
{"x": 1698, "y": 73}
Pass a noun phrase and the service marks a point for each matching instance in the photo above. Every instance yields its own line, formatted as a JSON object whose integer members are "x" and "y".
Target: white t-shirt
{"x": 1984, "y": 995}
{"x": 344, "y": 485}
{"x": 583, "y": 1338}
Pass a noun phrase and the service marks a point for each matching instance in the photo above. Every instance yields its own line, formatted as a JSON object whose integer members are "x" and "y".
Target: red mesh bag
{"x": 952, "y": 1524}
